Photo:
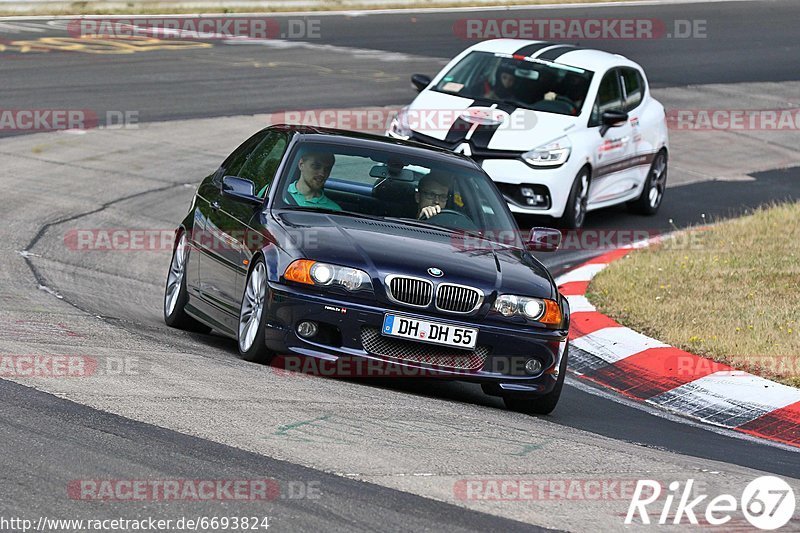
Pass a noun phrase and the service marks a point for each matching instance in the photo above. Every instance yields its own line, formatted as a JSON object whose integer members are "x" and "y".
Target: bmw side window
{"x": 262, "y": 162}
{"x": 634, "y": 88}
{"x": 609, "y": 97}
{"x": 233, "y": 164}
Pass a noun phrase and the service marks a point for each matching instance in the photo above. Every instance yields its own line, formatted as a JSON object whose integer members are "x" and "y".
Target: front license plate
{"x": 432, "y": 332}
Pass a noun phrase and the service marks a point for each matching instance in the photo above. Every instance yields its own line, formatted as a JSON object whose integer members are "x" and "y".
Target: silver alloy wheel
{"x": 177, "y": 269}
{"x": 658, "y": 181}
{"x": 581, "y": 199}
{"x": 252, "y": 307}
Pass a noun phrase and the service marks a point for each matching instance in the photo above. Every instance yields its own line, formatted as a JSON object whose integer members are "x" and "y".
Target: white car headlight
{"x": 399, "y": 127}
{"x": 552, "y": 154}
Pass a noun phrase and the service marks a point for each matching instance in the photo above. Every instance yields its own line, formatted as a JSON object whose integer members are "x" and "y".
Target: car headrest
{"x": 397, "y": 196}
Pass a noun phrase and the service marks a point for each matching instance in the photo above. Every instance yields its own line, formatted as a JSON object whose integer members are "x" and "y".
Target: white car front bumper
{"x": 554, "y": 183}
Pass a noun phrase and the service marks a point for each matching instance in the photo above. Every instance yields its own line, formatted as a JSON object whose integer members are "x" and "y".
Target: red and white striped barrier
{"x": 648, "y": 370}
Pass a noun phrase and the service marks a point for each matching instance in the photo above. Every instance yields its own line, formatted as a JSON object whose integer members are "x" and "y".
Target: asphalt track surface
{"x": 53, "y": 429}
{"x": 745, "y": 42}
{"x": 41, "y": 430}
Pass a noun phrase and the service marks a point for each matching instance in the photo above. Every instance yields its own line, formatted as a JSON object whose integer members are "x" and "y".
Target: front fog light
{"x": 307, "y": 329}
{"x": 533, "y": 366}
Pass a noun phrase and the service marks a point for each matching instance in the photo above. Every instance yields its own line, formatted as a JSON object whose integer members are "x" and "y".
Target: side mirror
{"x": 420, "y": 81}
{"x": 240, "y": 189}
{"x": 611, "y": 119}
{"x": 544, "y": 240}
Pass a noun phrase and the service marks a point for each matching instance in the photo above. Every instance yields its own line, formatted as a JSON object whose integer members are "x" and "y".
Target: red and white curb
{"x": 645, "y": 369}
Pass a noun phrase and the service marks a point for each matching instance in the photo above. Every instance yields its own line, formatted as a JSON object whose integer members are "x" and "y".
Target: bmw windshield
{"x": 529, "y": 83}
{"x": 367, "y": 181}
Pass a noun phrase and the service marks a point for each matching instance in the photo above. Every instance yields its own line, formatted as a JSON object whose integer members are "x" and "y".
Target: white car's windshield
{"x": 529, "y": 83}
{"x": 406, "y": 189}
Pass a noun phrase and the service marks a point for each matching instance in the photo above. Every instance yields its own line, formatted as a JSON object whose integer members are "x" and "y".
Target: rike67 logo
{"x": 767, "y": 502}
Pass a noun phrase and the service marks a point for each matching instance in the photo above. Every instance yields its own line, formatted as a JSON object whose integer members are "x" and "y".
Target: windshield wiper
{"x": 419, "y": 224}
{"x": 509, "y": 101}
{"x": 516, "y": 103}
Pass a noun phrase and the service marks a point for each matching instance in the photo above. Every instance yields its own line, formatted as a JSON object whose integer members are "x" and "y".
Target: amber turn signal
{"x": 300, "y": 271}
{"x": 552, "y": 313}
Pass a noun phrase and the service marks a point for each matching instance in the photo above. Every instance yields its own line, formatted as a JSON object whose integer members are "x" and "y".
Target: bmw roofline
{"x": 354, "y": 138}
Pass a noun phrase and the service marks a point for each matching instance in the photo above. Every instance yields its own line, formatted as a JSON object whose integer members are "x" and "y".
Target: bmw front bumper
{"x": 348, "y": 330}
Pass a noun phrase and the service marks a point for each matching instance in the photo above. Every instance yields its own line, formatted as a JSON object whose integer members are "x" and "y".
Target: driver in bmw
{"x": 432, "y": 194}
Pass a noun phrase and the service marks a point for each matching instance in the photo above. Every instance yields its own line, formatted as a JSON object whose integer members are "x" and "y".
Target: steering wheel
{"x": 453, "y": 219}
{"x": 567, "y": 100}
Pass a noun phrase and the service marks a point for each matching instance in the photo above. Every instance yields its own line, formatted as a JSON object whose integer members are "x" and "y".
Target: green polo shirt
{"x": 317, "y": 201}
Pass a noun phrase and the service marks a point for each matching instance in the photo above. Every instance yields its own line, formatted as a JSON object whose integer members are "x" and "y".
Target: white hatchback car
{"x": 562, "y": 130}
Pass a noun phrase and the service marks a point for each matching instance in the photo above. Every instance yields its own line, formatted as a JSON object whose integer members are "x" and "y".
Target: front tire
{"x": 250, "y": 333}
{"x": 175, "y": 294}
{"x": 542, "y": 405}
{"x": 575, "y": 211}
{"x": 654, "y": 186}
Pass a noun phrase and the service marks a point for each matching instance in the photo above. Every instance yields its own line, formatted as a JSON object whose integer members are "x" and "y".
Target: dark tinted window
{"x": 538, "y": 85}
{"x": 609, "y": 97}
{"x": 262, "y": 162}
{"x": 234, "y": 162}
{"x": 634, "y": 88}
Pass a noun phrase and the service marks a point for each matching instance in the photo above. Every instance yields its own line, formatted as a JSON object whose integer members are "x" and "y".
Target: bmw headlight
{"x": 552, "y": 154}
{"x": 541, "y": 310}
{"x": 399, "y": 127}
{"x": 324, "y": 274}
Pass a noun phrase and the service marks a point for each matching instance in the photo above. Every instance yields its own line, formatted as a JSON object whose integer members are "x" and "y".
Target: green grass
{"x": 730, "y": 292}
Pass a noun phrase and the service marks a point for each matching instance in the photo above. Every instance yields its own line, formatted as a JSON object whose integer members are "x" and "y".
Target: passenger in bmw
{"x": 308, "y": 190}
{"x": 432, "y": 194}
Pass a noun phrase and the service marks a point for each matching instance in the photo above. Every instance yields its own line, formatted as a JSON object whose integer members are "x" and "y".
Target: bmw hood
{"x": 383, "y": 247}
{"x": 494, "y": 126}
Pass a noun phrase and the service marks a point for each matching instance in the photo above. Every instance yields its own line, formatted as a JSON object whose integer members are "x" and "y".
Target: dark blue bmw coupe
{"x": 325, "y": 244}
